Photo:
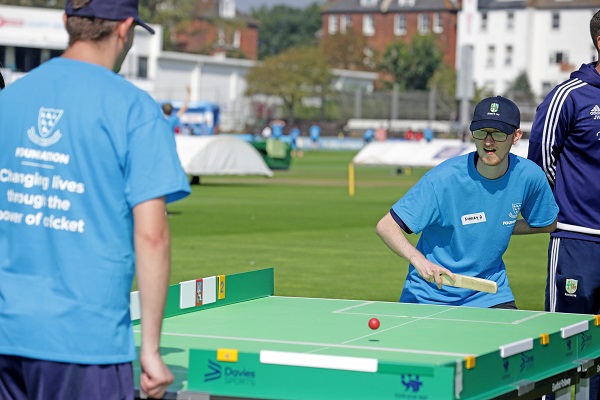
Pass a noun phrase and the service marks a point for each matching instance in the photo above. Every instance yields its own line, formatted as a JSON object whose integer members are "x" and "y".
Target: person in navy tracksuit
{"x": 565, "y": 142}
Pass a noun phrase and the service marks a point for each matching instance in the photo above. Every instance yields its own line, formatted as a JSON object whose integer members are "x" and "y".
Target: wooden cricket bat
{"x": 470, "y": 282}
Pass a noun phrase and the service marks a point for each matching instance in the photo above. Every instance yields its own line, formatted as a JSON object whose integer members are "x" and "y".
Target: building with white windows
{"x": 546, "y": 39}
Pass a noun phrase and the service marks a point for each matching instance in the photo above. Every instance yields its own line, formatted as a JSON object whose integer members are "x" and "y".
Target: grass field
{"x": 321, "y": 242}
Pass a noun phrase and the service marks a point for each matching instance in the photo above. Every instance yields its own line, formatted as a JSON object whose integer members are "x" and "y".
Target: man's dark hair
{"x": 595, "y": 29}
{"x": 167, "y": 108}
{"x": 84, "y": 28}
{"x": 2, "y": 84}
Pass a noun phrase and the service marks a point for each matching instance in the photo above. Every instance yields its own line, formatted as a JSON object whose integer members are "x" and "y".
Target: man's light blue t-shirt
{"x": 81, "y": 147}
{"x": 466, "y": 222}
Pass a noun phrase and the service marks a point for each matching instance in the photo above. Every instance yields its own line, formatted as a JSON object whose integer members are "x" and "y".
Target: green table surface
{"x": 409, "y": 334}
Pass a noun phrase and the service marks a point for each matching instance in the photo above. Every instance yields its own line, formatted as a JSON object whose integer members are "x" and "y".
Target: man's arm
{"x": 550, "y": 128}
{"x": 184, "y": 107}
{"x": 153, "y": 262}
{"x": 523, "y": 228}
{"x": 393, "y": 236}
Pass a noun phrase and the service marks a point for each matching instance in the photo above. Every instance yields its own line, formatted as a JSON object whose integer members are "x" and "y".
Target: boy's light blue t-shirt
{"x": 81, "y": 147}
{"x": 466, "y": 222}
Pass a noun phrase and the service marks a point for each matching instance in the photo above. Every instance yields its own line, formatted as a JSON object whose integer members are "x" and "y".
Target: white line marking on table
{"x": 310, "y": 298}
{"x": 429, "y": 317}
{"x": 539, "y": 314}
{"x": 343, "y": 310}
{"x": 416, "y": 319}
{"x": 325, "y": 345}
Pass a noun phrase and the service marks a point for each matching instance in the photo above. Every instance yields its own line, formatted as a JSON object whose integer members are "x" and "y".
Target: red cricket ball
{"x": 374, "y": 323}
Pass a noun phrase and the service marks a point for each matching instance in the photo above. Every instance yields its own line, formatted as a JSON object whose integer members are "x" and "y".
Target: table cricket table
{"x": 229, "y": 337}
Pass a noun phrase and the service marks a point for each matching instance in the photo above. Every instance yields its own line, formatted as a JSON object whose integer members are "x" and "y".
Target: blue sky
{"x": 246, "y": 5}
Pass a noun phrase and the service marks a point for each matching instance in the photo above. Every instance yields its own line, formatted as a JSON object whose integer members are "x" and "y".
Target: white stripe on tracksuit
{"x": 549, "y": 132}
{"x": 552, "y": 265}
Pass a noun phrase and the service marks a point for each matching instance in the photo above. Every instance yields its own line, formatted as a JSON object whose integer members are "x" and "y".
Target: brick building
{"x": 218, "y": 28}
{"x": 385, "y": 21}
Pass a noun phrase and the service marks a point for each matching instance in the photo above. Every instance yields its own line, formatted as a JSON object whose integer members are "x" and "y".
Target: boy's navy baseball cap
{"x": 496, "y": 112}
{"x": 112, "y": 10}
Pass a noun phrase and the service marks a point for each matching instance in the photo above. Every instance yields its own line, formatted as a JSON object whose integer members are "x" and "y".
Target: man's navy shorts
{"x": 29, "y": 379}
{"x": 573, "y": 282}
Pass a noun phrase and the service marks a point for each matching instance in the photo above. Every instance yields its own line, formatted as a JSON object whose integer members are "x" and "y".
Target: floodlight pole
{"x": 465, "y": 90}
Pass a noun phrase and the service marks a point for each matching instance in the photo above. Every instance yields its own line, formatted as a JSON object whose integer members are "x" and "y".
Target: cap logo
{"x": 494, "y": 107}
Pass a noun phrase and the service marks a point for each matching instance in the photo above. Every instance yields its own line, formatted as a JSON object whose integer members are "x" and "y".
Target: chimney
{"x": 227, "y": 9}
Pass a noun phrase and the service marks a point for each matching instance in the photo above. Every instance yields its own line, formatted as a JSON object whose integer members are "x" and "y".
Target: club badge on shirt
{"x": 571, "y": 287}
{"x": 516, "y": 208}
{"x": 47, "y": 134}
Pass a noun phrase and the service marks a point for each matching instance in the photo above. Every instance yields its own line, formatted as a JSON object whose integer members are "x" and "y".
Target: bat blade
{"x": 470, "y": 282}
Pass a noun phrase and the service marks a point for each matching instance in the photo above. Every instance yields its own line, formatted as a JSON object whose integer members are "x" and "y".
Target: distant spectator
{"x": 294, "y": 135}
{"x": 409, "y": 134}
{"x": 315, "y": 132}
{"x": 428, "y": 132}
{"x": 295, "y": 132}
{"x": 419, "y": 136}
{"x": 369, "y": 135}
{"x": 381, "y": 134}
{"x": 277, "y": 128}
{"x": 173, "y": 119}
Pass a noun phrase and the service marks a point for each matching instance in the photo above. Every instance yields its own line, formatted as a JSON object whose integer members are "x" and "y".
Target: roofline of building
{"x": 202, "y": 58}
{"x": 236, "y": 62}
{"x": 354, "y": 74}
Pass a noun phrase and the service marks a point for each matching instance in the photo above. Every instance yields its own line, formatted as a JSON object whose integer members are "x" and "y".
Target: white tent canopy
{"x": 420, "y": 154}
{"x": 402, "y": 153}
{"x": 219, "y": 155}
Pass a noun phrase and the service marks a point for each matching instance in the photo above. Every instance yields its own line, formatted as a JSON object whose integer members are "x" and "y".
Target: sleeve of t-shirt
{"x": 399, "y": 221}
{"x": 153, "y": 169}
{"x": 418, "y": 208}
{"x": 539, "y": 208}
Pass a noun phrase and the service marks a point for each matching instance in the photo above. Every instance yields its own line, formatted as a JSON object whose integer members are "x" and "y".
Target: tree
{"x": 443, "y": 82}
{"x": 346, "y": 50}
{"x": 170, "y": 14}
{"x": 292, "y": 75}
{"x": 282, "y": 27}
{"x": 412, "y": 65}
{"x": 520, "y": 90}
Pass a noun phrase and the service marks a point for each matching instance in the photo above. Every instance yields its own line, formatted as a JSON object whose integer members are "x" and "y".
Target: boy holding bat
{"x": 466, "y": 210}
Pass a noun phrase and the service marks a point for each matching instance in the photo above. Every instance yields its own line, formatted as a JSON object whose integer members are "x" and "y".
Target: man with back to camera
{"x": 565, "y": 142}
{"x": 466, "y": 210}
{"x": 98, "y": 156}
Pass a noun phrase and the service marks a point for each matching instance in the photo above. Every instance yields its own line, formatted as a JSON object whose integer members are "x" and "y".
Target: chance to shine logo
{"x": 47, "y": 134}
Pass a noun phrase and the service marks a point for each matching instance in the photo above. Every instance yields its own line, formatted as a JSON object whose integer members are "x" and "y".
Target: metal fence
{"x": 385, "y": 106}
